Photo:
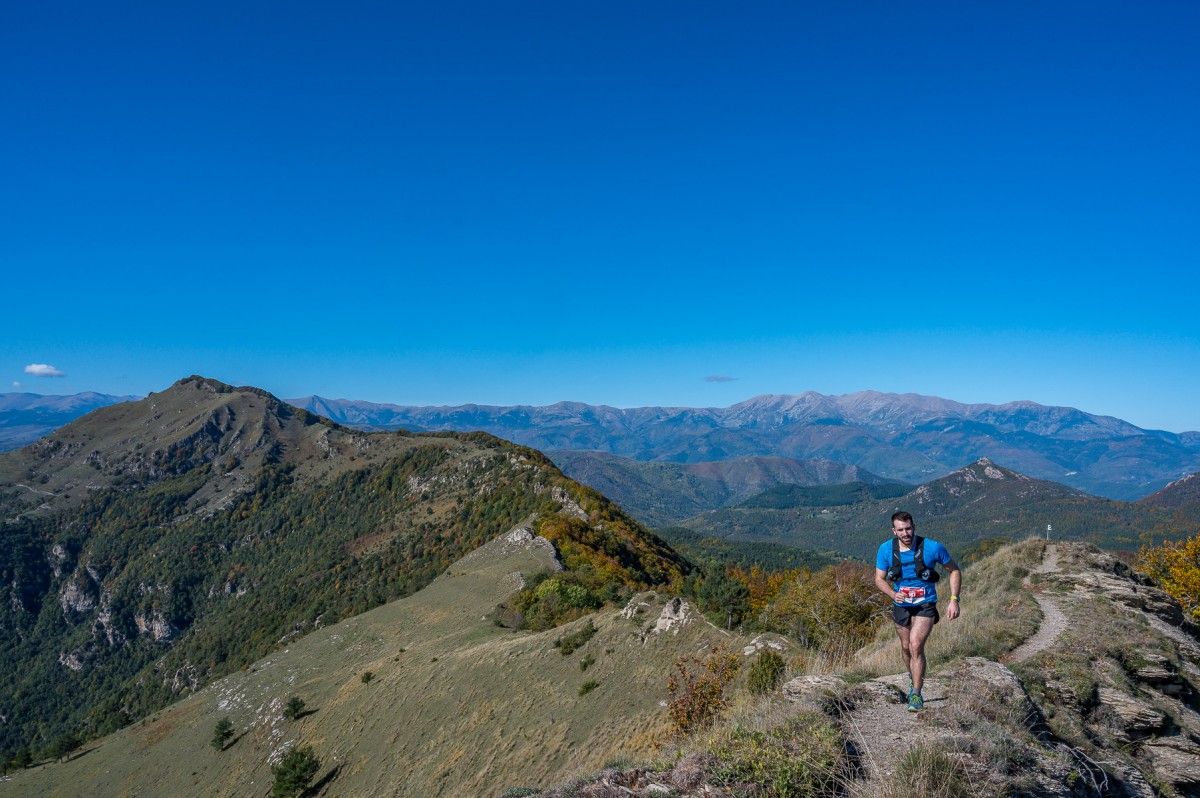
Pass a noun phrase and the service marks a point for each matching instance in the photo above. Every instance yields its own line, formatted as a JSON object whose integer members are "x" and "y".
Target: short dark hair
{"x": 901, "y": 515}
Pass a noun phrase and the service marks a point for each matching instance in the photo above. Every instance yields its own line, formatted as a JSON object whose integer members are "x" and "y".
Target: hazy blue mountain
{"x": 25, "y": 417}
{"x": 907, "y": 437}
{"x": 661, "y": 493}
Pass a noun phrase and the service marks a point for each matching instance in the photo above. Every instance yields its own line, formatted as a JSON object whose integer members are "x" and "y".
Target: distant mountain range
{"x": 25, "y": 417}
{"x": 905, "y": 437}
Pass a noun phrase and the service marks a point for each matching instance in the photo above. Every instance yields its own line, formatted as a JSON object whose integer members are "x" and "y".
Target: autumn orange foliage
{"x": 697, "y": 688}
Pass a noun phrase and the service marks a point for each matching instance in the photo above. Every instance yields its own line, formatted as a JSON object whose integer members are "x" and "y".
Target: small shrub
{"x": 697, "y": 688}
{"x": 587, "y": 662}
{"x": 588, "y": 687}
{"x": 294, "y": 772}
{"x": 765, "y": 672}
{"x": 294, "y": 708}
{"x": 367, "y": 677}
{"x": 567, "y": 644}
{"x": 803, "y": 758}
{"x": 926, "y": 771}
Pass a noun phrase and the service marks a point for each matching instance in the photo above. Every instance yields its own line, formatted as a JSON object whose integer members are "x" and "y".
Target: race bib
{"x": 912, "y": 595}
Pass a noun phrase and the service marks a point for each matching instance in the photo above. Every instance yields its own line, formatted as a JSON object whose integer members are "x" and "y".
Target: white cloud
{"x": 719, "y": 378}
{"x": 44, "y": 370}
{"x": 16, "y": 384}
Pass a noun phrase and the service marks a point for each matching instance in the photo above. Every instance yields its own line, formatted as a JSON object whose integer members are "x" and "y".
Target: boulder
{"x": 1135, "y": 719}
{"x": 809, "y": 690}
{"x": 1175, "y": 760}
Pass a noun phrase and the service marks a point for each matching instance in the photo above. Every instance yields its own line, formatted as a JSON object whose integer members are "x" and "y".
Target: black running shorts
{"x": 903, "y": 614}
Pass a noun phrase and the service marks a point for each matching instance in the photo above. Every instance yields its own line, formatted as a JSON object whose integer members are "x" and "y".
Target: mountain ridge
{"x": 150, "y": 546}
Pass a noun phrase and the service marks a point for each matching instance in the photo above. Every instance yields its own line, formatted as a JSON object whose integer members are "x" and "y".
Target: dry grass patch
{"x": 926, "y": 771}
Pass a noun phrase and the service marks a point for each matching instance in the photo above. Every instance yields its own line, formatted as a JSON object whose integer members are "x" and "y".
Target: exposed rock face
{"x": 568, "y": 504}
{"x": 71, "y": 661}
{"x": 685, "y": 780}
{"x": 1176, "y": 760}
{"x": 1136, "y": 720}
{"x": 674, "y": 616}
{"x": 638, "y": 605}
{"x": 1104, "y": 575}
{"x": 57, "y": 558}
{"x": 518, "y": 538}
{"x": 77, "y": 597}
{"x": 154, "y": 624}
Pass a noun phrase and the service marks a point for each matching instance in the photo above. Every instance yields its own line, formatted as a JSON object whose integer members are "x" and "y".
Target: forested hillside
{"x": 975, "y": 503}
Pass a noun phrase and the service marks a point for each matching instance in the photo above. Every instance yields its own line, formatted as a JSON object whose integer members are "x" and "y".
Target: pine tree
{"x": 294, "y": 772}
{"x": 294, "y": 708}
{"x": 221, "y": 734}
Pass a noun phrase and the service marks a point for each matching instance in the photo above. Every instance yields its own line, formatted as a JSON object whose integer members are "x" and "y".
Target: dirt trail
{"x": 1054, "y": 622}
{"x": 883, "y": 730}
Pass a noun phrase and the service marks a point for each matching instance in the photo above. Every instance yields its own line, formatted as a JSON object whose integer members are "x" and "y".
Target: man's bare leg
{"x": 917, "y": 635}
{"x": 905, "y": 647}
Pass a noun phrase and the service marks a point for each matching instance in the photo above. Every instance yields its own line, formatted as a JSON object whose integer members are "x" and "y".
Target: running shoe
{"x": 915, "y": 702}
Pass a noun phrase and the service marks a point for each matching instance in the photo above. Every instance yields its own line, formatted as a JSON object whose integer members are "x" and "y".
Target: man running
{"x": 898, "y": 575}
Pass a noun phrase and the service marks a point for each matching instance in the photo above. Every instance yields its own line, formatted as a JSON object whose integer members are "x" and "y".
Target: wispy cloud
{"x": 719, "y": 378}
{"x": 44, "y": 370}
{"x": 16, "y": 384}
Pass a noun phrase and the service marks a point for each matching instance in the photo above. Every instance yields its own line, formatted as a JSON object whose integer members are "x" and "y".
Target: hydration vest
{"x": 924, "y": 572}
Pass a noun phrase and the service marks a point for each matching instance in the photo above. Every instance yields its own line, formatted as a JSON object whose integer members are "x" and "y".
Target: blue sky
{"x": 521, "y": 203}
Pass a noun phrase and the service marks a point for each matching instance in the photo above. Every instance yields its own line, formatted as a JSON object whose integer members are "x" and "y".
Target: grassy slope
{"x": 496, "y": 708}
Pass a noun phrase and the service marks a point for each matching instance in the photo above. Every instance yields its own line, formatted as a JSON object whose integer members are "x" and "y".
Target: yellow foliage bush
{"x": 1175, "y": 565}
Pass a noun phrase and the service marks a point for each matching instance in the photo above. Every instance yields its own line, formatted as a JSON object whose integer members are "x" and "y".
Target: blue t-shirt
{"x": 920, "y": 592}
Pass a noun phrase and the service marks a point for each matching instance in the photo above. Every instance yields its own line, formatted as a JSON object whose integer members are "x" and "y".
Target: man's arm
{"x": 885, "y": 588}
{"x": 952, "y": 609}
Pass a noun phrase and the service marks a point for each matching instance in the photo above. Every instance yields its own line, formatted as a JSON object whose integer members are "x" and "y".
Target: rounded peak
{"x": 198, "y": 382}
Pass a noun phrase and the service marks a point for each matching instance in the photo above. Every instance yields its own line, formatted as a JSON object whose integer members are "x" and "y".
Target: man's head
{"x": 903, "y": 527}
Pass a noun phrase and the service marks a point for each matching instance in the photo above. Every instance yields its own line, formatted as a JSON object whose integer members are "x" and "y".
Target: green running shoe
{"x": 915, "y": 702}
